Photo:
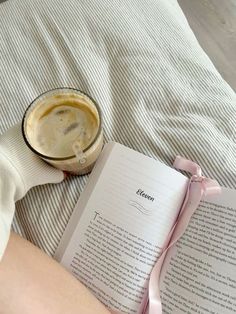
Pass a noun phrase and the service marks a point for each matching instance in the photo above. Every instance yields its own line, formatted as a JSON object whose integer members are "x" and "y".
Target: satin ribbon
{"x": 197, "y": 187}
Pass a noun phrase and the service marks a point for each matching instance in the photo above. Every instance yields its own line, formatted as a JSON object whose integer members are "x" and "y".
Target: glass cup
{"x": 64, "y": 127}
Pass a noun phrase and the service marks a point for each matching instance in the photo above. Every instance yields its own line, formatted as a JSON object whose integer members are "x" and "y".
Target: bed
{"x": 159, "y": 92}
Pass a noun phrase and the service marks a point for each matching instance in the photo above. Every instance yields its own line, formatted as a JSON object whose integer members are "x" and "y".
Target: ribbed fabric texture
{"x": 32, "y": 170}
{"x": 11, "y": 189}
{"x": 20, "y": 170}
{"x": 158, "y": 91}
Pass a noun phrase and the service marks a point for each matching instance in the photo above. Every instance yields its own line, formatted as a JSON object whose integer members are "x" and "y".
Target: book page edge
{"x": 81, "y": 203}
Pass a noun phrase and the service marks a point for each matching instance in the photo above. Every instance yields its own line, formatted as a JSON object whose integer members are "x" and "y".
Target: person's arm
{"x": 30, "y": 281}
{"x": 20, "y": 170}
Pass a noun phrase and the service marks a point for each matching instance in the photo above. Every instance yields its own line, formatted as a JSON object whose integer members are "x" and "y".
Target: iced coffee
{"x": 63, "y": 126}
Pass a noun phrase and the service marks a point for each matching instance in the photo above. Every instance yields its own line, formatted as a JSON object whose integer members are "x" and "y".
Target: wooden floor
{"x": 214, "y": 25}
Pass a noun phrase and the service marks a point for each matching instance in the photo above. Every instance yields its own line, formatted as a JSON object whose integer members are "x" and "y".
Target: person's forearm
{"x": 32, "y": 282}
{"x": 20, "y": 170}
{"x": 11, "y": 189}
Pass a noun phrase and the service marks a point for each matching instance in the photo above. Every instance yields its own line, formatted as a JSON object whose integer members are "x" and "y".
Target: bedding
{"x": 159, "y": 92}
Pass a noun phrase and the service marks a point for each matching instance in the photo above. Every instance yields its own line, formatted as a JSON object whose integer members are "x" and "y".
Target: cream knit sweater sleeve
{"x": 20, "y": 170}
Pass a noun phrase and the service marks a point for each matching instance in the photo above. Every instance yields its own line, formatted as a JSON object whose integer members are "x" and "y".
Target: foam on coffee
{"x": 52, "y": 129}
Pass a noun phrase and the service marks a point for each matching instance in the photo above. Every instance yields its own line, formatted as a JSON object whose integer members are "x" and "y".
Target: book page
{"x": 199, "y": 273}
{"x": 133, "y": 203}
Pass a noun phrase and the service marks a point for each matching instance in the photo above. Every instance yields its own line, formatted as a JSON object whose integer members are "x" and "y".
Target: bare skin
{"x": 33, "y": 283}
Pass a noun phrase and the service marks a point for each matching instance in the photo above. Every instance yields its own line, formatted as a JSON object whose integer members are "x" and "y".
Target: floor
{"x": 214, "y": 24}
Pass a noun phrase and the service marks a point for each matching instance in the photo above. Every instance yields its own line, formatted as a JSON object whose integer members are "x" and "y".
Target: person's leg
{"x": 32, "y": 282}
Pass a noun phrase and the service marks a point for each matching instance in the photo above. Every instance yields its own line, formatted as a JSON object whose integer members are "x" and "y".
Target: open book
{"x": 119, "y": 227}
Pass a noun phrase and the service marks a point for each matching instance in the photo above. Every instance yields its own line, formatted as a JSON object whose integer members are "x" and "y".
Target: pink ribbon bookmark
{"x": 197, "y": 187}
